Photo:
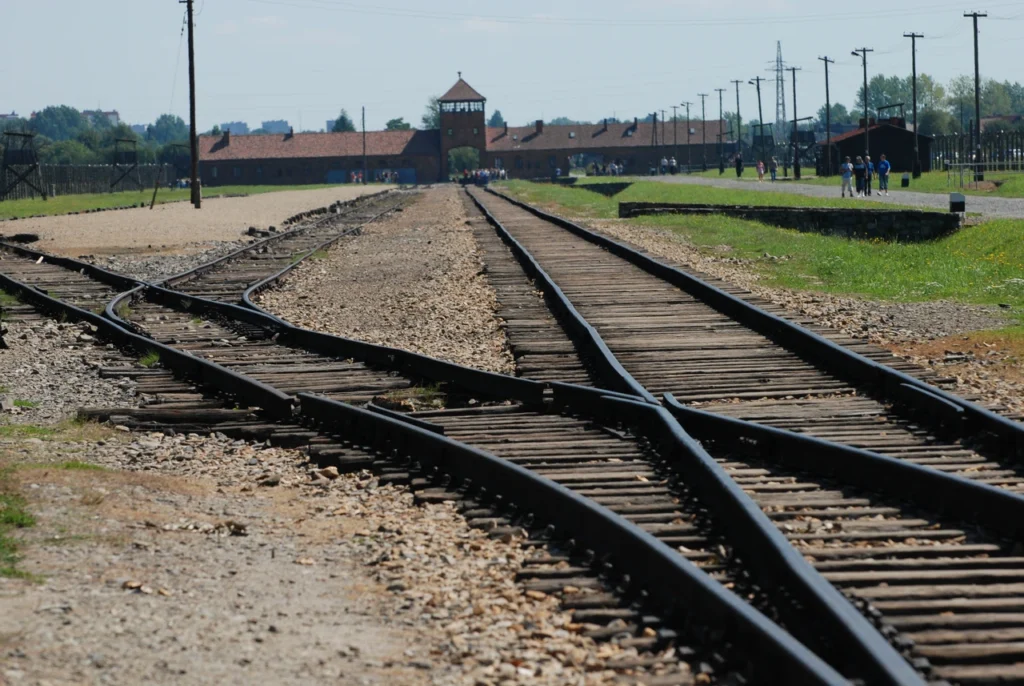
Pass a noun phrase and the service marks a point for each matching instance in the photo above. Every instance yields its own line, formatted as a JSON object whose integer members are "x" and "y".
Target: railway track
{"x": 586, "y": 445}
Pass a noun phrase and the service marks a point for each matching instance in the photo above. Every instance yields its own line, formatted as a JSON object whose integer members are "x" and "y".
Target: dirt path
{"x": 412, "y": 281}
{"x": 174, "y": 227}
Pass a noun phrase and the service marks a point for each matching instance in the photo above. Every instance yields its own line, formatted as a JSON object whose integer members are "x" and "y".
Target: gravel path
{"x": 990, "y": 207}
{"x": 149, "y": 577}
{"x": 174, "y": 226}
{"x": 413, "y": 281}
{"x": 900, "y": 327}
{"x": 49, "y": 370}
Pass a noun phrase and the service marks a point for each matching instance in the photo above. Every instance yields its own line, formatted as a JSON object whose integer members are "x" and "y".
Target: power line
{"x": 913, "y": 49}
{"x": 977, "y": 94}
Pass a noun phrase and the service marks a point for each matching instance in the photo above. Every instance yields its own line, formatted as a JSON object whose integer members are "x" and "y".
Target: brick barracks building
{"x": 422, "y": 156}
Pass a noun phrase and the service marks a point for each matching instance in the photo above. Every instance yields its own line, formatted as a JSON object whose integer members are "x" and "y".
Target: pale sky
{"x": 303, "y": 60}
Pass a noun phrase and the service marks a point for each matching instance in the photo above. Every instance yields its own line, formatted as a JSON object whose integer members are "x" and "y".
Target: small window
{"x": 259, "y": 170}
{"x": 213, "y": 172}
{"x": 572, "y": 134}
{"x": 475, "y": 131}
{"x": 519, "y": 163}
{"x": 237, "y": 172}
{"x": 451, "y": 132}
{"x": 499, "y": 163}
{"x": 629, "y": 132}
{"x": 552, "y": 161}
{"x": 515, "y": 137}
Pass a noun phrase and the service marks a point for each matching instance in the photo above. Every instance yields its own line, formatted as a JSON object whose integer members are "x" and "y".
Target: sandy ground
{"x": 173, "y": 226}
{"x": 412, "y": 281}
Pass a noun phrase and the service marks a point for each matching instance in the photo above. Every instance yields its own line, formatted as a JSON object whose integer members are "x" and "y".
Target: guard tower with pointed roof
{"x": 462, "y": 121}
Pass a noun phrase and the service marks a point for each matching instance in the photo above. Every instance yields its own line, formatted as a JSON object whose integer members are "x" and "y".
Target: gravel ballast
{"x": 174, "y": 226}
{"x": 413, "y": 280}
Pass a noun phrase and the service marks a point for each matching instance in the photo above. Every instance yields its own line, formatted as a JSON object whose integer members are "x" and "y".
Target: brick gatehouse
{"x": 422, "y": 156}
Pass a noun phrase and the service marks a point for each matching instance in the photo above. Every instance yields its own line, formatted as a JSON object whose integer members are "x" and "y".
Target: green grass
{"x": 78, "y": 465}
{"x": 13, "y": 515}
{"x": 150, "y": 359}
{"x": 94, "y": 201}
{"x": 318, "y": 255}
{"x": 978, "y": 264}
{"x": 25, "y": 431}
{"x": 123, "y": 310}
{"x": 26, "y": 403}
{"x": 597, "y": 205}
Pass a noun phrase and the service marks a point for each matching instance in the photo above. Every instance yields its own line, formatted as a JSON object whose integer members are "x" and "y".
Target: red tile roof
{"x": 593, "y": 136}
{"x": 309, "y": 145}
{"x": 462, "y": 92}
{"x": 860, "y": 132}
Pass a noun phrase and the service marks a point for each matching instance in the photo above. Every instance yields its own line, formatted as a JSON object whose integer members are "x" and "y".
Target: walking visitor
{"x": 760, "y": 171}
{"x": 858, "y": 173}
{"x": 869, "y": 174}
{"x": 846, "y": 169}
{"x": 739, "y": 165}
{"x": 883, "y": 175}
{"x": 773, "y": 167}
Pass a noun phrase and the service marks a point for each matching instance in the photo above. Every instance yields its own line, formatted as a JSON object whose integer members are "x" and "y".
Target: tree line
{"x": 66, "y": 136}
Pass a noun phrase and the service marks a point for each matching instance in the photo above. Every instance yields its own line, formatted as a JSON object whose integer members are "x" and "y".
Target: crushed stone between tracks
{"x": 413, "y": 280}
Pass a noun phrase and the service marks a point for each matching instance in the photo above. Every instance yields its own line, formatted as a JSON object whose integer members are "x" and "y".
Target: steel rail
{"x": 302, "y": 228}
{"x": 273, "y": 279}
{"x": 994, "y": 508}
{"x": 935, "y": 406}
{"x": 595, "y": 350}
{"x": 671, "y": 581}
{"x": 853, "y": 645}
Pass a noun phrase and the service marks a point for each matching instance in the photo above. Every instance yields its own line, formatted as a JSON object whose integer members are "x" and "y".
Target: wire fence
{"x": 75, "y": 179}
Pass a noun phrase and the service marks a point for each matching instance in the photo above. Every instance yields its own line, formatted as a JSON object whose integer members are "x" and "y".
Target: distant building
{"x": 890, "y": 138}
{"x": 239, "y": 128}
{"x": 139, "y": 129}
{"x": 423, "y": 156}
{"x": 276, "y": 126}
{"x": 9, "y": 117}
{"x": 330, "y": 125}
{"x": 999, "y": 121}
{"x": 95, "y": 116}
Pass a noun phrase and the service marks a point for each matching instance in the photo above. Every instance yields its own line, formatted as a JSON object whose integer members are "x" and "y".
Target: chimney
{"x": 540, "y": 126}
{"x": 227, "y": 136}
{"x": 291, "y": 133}
{"x": 636, "y": 123}
{"x": 506, "y": 128}
{"x": 606, "y": 123}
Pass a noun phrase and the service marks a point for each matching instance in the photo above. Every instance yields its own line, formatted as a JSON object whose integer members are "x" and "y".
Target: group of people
{"x": 615, "y": 168}
{"x": 482, "y": 177}
{"x": 669, "y": 165}
{"x": 387, "y": 177}
{"x": 863, "y": 171}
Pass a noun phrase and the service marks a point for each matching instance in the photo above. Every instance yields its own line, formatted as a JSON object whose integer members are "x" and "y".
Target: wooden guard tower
{"x": 20, "y": 164}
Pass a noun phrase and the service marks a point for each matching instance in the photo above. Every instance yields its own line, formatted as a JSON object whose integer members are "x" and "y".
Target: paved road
{"x": 990, "y": 207}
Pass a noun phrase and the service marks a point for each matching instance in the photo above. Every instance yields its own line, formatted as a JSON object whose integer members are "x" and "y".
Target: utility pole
{"x": 913, "y": 52}
{"x": 687, "y": 106}
{"x": 721, "y": 142}
{"x": 664, "y": 140}
{"x": 979, "y": 174}
{"x": 739, "y": 119}
{"x": 675, "y": 133}
{"x": 756, "y": 81}
{"x": 703, "y": 134}
{"x": 366, "y": 171}
{"x": 828, "y": 119}
{"x": 796, "y": 143}
{"x": 863, "y": 53}
{"x": 197, "y": 194}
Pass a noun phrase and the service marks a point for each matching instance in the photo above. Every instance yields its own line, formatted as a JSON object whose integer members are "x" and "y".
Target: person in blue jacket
{"x": 883, "y": 175}
{"x": 869, "y": 174}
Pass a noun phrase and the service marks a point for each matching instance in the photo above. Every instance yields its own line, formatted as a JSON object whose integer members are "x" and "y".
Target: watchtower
{"x": 462, "y": 122}
{"x": 126, "y": 161}
{"x": 20, "y": 164}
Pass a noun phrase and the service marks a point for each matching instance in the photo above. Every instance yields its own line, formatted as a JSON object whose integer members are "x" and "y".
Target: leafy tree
{"x": 565, "y": 121}
{"x": 839, "y": 115}
{"x": 995, "y": 98}
{"x": 343, "y": 123}
{"x": 930, "y": 93}
{"x": 14, "y": 125}
{"x": 496, "y": 119}
{"x": 60, "y": 123}
{"x": 168, "y": 128}
{"x": 463, "y": 158}
{"x": 933, "y": 121}
{"x": 215, "y": 131}
{"x": 68, "y": 152}
{"x": 432, "y": 114}
{"x": 398, "y": 124}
